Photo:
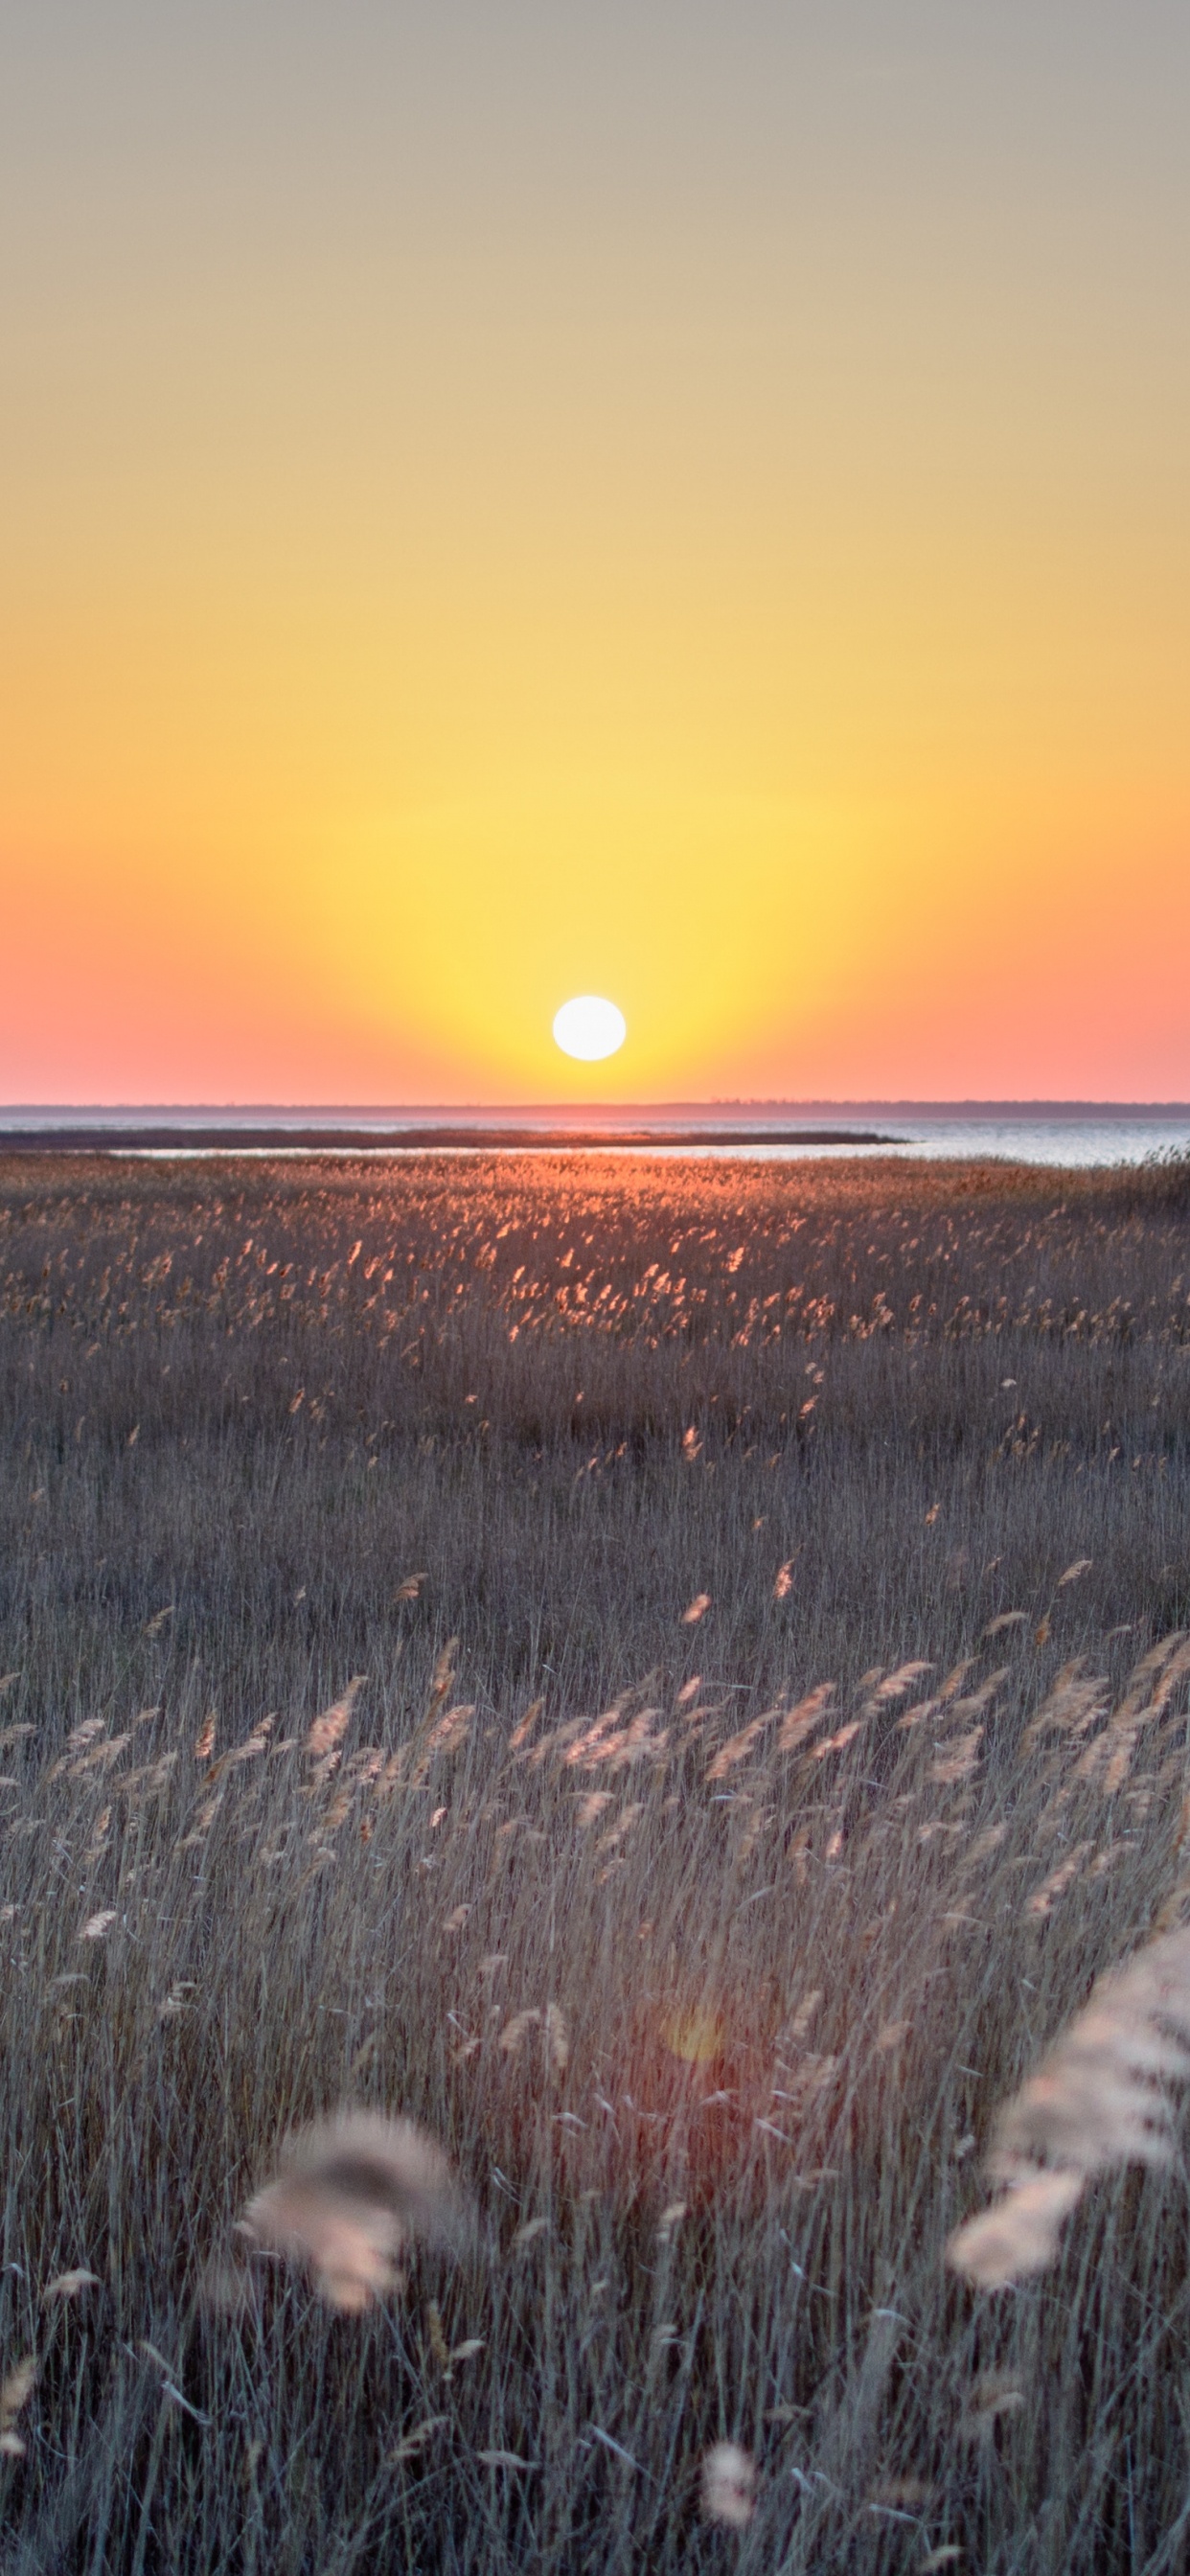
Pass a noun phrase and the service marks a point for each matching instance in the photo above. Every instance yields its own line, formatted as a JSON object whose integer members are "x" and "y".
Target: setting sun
{"x": 589, "y": 1028}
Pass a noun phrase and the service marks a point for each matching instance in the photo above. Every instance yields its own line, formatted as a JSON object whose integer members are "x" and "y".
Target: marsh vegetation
{"x": 669, "y": 1676}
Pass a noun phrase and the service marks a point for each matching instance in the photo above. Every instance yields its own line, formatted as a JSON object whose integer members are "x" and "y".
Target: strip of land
{"x": 387, "y": 1140}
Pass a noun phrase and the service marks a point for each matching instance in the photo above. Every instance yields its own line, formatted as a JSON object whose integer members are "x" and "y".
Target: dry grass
{"x": 361, "y": 1750}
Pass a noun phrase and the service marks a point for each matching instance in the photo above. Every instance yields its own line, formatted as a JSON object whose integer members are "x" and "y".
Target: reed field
{"x": 673, "y": 1679}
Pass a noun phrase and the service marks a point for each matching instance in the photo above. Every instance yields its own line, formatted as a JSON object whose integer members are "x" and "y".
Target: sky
{"x": 684, "y": 500}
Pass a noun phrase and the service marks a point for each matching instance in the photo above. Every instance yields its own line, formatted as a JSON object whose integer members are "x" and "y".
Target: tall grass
{"x": 710, "y": 1979}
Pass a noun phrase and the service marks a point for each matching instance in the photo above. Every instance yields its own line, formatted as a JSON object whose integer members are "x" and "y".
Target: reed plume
{"x": 327, "y": 1730}
{"x": 1096, "y": 2101}
{"x": 728, "y": 2485}
{"x": 351, "y": 2194}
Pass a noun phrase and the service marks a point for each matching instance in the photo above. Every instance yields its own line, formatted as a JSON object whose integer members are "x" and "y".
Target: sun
{"x": 589, "y": 1028}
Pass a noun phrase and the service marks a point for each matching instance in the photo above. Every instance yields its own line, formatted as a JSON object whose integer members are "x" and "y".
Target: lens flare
{"x": 589, "y": 1028}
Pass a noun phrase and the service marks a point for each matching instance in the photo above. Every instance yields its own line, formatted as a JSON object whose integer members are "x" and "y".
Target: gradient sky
{"x": 686, "y": 501}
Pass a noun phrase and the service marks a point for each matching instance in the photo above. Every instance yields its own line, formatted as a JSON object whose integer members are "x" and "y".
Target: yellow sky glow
{"x": 716, "y": 538}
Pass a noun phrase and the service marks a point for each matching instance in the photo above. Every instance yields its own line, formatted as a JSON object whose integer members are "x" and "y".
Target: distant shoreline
{"x": 1060, "y": 1134}
{"x": 379, "y": 1140}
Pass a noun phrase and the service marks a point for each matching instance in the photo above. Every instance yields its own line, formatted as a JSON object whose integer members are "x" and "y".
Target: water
{"x": 1043, "y": 1132}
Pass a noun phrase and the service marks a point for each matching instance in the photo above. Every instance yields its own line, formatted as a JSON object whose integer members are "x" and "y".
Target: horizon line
{"x": 589, "y": 1111}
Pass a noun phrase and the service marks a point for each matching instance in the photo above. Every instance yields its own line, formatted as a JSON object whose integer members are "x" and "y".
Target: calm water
{"x": 1035, "y": 1133}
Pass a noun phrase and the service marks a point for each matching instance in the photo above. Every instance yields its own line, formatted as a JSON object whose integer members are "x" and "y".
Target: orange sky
{"x": 685, "y": 503}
